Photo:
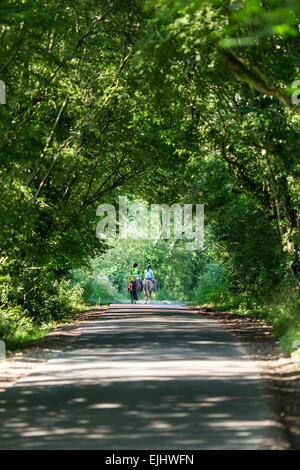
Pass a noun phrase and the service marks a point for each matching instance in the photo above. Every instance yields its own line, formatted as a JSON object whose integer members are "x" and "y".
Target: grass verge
{"x": 17, "y": 329}
{"x": 282, "y": 310}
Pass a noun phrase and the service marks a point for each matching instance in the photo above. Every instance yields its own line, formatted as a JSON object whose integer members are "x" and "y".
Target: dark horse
{"x": 134, "y": 287}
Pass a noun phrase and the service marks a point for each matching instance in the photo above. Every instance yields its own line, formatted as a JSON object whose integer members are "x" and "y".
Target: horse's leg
{"x": 132, "y": 293}
{"x": 150, "y": 291}
{"x": 130, "y": 290}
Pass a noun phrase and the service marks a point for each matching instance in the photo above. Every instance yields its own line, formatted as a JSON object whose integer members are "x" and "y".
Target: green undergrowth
{"x": 22, "y": 337}
{"x": 51, "y": 303}
{"x": 18, "y": 329}
{"x": 96, "y": 288}
{"x": 281, "y": 309}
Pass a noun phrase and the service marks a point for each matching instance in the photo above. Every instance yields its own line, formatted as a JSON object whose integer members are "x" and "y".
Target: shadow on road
{"x": 155, "y": 381}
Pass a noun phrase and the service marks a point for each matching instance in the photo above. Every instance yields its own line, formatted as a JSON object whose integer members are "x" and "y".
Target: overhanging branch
{"x": 257, "y": 79}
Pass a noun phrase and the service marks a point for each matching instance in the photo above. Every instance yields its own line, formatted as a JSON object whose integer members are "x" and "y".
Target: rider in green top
{"x": 136, "y": 274}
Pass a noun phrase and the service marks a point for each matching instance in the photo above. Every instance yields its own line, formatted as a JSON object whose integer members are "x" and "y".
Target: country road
{"x": 140, "y": 377}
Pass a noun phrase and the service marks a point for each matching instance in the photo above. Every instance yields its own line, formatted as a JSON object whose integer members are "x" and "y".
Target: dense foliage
{"x": 168, "y": 101}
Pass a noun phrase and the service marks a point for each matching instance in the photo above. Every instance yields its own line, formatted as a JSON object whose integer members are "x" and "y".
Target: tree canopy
{"x": 166, "y": 101}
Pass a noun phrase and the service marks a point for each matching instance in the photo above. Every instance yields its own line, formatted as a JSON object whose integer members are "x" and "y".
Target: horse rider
{"x": 136, "y": 274}
{"x": 149, "y": 275}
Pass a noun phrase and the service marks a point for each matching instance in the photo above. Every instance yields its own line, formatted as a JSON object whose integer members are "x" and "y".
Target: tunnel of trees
{"x": 165, "y": 101}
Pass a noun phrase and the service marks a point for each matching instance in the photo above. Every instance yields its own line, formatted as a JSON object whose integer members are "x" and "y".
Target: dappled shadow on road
{"x": 155, "y": 383}
{"x": 144, "y": 414}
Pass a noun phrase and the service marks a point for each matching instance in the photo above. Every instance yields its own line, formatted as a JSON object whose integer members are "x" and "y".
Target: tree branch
{"x": 79, "y": 42}
{"x": 257, "y": 80}
{"x": 50, "y": 138}
{"x": 42, "y": 184}
{"x": 15, "y": 50}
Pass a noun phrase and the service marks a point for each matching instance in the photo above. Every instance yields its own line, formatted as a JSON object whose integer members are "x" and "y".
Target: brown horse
{"x": 148, "y": 287}
{"x": 134, "y": 287}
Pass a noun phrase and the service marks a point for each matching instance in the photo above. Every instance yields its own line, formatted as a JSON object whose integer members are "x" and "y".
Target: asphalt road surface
{"x": 140, "y": 377}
